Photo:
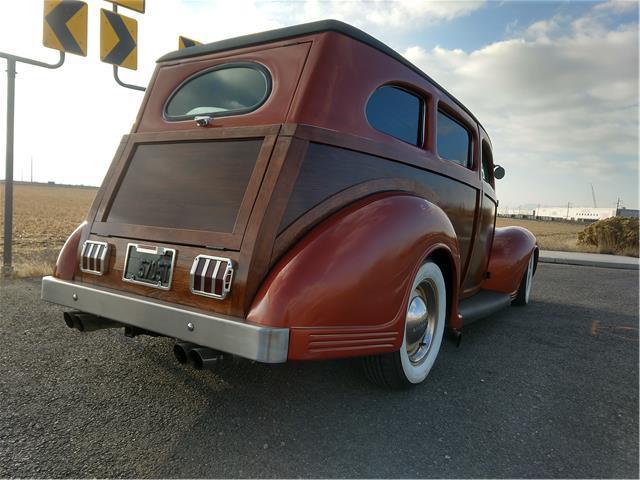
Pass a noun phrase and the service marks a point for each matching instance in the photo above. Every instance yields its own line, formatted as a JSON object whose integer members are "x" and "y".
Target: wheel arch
{"x": 443, "y": 257}
{"x": 512, "y": 247}
{"x": 376, "y": 246}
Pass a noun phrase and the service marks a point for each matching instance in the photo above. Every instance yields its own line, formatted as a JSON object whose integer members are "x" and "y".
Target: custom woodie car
{"x": 299, "y": 194}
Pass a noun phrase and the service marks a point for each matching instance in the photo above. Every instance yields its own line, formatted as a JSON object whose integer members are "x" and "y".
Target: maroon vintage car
{"x": 299, "y": 194}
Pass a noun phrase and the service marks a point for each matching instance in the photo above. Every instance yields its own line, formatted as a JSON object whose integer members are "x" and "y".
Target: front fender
{"x": 345, "y": 284}
{"x": 510, "y": 253}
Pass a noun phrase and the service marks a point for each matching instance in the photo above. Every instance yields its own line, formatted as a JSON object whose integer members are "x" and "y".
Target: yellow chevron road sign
{"x": 184, "y": 42}
{"x": 118, "y": 40}
{"x": 65, "y": 26}
{"x": 137, "y": 5}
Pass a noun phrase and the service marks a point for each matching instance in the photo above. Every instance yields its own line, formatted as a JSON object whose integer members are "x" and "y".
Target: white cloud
{"x": 556, "y": 101}
{"x": 544, "y": 28}
{"x": 617, "y": 6}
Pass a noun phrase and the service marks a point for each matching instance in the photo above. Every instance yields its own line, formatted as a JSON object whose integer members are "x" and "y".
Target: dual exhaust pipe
{"x": 199, "y": 357}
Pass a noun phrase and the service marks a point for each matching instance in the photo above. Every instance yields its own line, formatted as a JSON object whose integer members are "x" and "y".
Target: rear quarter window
{"x": 453, "y": 140}
{"x": 396, "y": 112}
{"x": 231, "y": 89}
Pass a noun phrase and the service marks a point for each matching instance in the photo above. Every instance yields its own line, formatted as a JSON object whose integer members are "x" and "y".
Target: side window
{"x": 454, "y": 140}
{"x": 396, "y": 112}
{"x": 487, "y": 163}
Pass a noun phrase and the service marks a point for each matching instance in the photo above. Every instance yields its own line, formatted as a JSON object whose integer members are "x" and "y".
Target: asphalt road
{"x": 549, "y": 390}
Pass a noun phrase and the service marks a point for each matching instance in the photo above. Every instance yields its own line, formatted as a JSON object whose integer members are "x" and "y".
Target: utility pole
{"x": 31, "y": 168}
{"x": 568, "y": 205}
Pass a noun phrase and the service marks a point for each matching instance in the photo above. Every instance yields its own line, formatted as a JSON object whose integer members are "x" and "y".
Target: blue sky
{"x": 554, "y": 83}
{"x": 494, "y": 22}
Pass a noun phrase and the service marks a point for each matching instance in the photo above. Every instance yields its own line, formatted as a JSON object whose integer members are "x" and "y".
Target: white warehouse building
{"x": 589, "y": 214}
{"x": 576, "y": 213}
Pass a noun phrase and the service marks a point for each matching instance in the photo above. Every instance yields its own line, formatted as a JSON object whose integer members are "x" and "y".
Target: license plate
{"x": 148, "y": 265}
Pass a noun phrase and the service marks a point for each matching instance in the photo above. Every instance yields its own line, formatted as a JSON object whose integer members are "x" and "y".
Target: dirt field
{"x": 43, "y": 218}
{"x": 44, "y": 215}
{"x": 560, "y": 236}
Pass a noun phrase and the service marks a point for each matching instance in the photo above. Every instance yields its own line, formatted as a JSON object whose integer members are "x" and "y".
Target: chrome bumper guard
{"x": 220, "y": 332}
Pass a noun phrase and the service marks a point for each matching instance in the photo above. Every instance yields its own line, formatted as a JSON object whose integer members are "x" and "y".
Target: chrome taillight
{"x": 95, "y": 257}
{"x": 211, "y": 276}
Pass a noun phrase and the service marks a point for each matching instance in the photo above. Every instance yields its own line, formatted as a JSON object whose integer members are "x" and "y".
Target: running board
{"x": 481, "y": 305}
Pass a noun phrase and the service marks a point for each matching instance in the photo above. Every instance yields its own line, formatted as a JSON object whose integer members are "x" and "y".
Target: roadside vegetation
{"x": 44, "y": 215}
{"x": 618, "y": 236}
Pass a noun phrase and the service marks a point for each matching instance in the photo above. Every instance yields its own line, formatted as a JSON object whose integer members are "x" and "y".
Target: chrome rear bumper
{"x": 220, "y": 332}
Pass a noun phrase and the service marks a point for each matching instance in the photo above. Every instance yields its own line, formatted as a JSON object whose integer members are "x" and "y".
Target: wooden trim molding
{"x": 312, "y": 217}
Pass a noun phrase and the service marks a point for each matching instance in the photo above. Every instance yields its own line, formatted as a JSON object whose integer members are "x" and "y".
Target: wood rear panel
{"x": 186, "y": 185}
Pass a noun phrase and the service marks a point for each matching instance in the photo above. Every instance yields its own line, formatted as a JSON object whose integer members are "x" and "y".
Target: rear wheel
{"x": 423, "y": 330}
{"x": 524, "y": 291}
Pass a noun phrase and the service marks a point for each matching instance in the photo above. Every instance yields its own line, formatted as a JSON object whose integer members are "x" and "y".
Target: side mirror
{"x": 498, "y": 172}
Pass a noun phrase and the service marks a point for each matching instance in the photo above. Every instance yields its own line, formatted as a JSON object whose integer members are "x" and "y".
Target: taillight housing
{"x": 211, "y": 276}
{"x": 94, "y": 257}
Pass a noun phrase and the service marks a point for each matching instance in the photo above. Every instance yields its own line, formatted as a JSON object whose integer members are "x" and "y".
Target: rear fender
{"x": 69, "y": 256}
{"x": 510, "y": 253}
{"x": 343, "y": 288}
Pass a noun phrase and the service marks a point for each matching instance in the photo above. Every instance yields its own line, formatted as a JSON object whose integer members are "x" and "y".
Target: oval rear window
{"x": 224, "y": 90}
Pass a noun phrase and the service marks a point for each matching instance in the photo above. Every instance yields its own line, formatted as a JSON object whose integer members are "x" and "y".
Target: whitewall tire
{"x": 524, "y": 291}
{"x": 423, "y": 331}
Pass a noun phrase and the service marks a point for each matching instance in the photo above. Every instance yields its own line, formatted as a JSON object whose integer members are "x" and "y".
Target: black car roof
{"x": 301, "y": 30}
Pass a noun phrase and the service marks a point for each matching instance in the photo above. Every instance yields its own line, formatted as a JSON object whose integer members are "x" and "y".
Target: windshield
{"x": 225, "y": 90}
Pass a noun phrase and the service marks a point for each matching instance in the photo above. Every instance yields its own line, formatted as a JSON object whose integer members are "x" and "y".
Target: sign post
{"x": 137, "y": 5}
{"x": 119, "y": 39}
{"x": 8, "y": 177}
{"x": 65, "y": 30}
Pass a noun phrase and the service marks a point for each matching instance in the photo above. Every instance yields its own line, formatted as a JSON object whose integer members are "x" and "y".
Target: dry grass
{"x": 559, "y": 236}
{"x": 44, "y": 215}
{"x": 43, "y": 218}
{"x": 618, "y": 236}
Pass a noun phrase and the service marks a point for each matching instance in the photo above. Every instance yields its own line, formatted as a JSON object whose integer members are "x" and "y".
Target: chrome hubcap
{"x": 420, "y": 322}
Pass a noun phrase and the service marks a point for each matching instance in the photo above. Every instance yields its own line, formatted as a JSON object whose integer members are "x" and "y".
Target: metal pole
{"x": 123, "y": 84}
{"x": 7, "y": 268}
{"x": 8, "y": 179}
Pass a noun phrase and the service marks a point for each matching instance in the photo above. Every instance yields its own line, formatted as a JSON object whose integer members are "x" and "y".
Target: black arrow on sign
{"x": 57, "y": 20}
{"x": 187, "y": 42}
{"x": 125, "y": 44}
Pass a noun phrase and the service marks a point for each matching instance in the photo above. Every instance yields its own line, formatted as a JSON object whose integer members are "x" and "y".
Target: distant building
{"x": 628, "y": 213}
{"x": 588, "y": 214}
{"x": 516, "y": 212}
{"x": 576, "y": 214}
